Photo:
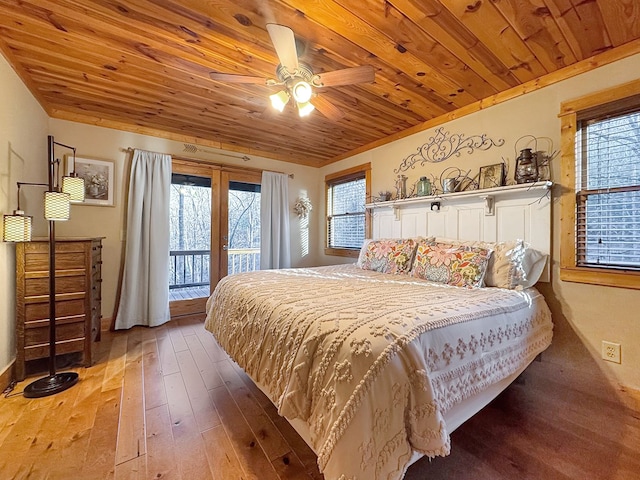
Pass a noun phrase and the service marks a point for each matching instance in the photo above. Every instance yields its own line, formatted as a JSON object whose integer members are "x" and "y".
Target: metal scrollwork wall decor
{"x": 444, "y": 145}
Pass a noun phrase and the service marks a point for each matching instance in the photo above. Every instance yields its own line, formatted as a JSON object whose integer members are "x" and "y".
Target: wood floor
{"x": 166, "y": 403}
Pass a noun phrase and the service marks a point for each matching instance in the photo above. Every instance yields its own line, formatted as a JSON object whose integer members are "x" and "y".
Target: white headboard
{"x": 492, "y": 215}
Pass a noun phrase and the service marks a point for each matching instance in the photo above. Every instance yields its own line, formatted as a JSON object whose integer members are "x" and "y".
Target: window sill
{"x": 604, "y": 277}
{"x": 342, "y": 252}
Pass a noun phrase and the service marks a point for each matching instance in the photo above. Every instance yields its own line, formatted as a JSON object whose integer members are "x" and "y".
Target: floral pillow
{"x": 457, "y": 265}
{"x": 388, "y": 256}
{"x": 512, "y": 264}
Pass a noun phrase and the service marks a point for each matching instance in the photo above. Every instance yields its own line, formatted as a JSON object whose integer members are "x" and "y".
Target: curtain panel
{"x": 144, "y": 295}
{"x": 275, "y": 240}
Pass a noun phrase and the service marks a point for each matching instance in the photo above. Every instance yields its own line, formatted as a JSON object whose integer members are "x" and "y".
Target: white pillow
{"x": 512, "y": 264}
{"x": 525, "y": 265}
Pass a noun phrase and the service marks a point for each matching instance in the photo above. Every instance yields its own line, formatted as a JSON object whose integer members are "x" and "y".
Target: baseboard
{"x": 7, "y": 376}
{"x": 105, "y": 324}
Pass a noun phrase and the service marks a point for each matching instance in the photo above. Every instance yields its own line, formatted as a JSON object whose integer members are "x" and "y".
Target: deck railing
{"x": 190, "y": 268}
{"x": 243, "y": 260}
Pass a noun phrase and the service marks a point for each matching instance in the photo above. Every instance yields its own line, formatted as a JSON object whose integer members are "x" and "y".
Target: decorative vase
{"x": 424, "y": 187}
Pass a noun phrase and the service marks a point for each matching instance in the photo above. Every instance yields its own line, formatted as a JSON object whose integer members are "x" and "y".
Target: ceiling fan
{"x": 298, "y": 78}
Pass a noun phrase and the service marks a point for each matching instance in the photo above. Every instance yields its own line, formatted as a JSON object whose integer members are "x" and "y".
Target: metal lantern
{"x": 526, "y": 167}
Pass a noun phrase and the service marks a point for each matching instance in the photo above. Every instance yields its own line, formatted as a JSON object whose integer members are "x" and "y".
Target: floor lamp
{"x": 17, "y": 228}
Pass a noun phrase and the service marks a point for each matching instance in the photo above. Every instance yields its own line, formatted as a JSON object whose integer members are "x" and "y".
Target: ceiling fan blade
{"x": 347, "y": 76}
{"x": 284, "y": 42}
{"x": 327, "y": 108}
{"x": 233, "y": 78}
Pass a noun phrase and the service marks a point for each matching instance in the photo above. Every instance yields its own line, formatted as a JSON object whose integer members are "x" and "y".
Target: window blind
{"x": 608, "y": 191}
{"x": 346, "y": 213}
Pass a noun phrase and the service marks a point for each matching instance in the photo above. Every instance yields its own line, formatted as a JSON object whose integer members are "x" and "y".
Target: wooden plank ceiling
{"x": 144, "y": 66}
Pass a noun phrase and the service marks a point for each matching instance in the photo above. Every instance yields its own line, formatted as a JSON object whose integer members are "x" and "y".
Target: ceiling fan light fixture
{"x": 305, "y": 108}
{"x": 279, "y": 100}
{"x": 302, "y": 92}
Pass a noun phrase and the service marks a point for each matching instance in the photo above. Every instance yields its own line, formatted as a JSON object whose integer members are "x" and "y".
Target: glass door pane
{"x": 190, "y": 237}
{"x": 243, "y": 240}
{"x": 239, "y": 222}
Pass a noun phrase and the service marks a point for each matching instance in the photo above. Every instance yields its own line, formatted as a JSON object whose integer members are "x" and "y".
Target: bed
{"x": 375, "y": 365}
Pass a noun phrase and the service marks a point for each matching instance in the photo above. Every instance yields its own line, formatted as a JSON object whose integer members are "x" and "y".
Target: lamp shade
{"x": 74, "y": 186}
{"x": 57, "y": 206}
{"x": 302, "y": 92}
{"x": 16, "y": 227}
{"x": 279, "y": 100}
{"x": 305, "y": 109}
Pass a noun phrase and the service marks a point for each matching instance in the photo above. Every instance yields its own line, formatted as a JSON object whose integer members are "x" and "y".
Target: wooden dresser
{"x": 78, "y": 298}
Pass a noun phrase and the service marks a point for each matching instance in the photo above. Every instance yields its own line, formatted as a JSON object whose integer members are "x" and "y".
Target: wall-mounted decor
{"x": 444, "y": 145}
{"x": 98, "y": 178}
{"x": 302, "y": 207}
{"x": 492, "y": 176}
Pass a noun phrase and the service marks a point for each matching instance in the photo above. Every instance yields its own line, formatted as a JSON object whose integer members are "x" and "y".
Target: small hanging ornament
{"x": 302, "y": 207}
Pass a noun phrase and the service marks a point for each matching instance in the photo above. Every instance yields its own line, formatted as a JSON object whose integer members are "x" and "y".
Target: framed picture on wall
{"x": 492, "y": 176}
{"x": 99, "y": 182}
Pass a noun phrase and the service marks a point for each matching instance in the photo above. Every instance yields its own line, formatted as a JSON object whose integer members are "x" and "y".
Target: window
{"x": 347, "y": 220}
{"x": 601, "y": 202}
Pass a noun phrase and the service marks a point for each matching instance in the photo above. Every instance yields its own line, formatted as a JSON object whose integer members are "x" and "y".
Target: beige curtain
{"x": 144, "y": 296}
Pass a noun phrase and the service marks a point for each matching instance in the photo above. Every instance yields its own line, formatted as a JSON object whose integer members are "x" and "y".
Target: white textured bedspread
{"x": 372, "y": 361}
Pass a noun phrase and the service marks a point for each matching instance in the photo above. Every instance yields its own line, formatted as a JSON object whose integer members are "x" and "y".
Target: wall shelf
{"x": 466, "y": 195}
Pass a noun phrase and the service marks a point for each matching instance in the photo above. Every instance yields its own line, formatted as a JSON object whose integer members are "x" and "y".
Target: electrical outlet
{"x": 611, "y": 352}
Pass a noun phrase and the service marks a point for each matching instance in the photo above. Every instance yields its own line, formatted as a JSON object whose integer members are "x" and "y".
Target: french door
{"x": 215, "y": 230}
{"x": 239, "y": 222}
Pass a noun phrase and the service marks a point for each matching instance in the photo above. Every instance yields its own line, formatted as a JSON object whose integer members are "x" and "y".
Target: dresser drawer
{"x": 38, "y": 286}
{"x": 65, "y": 308}
{"x": 37, "y": 333}
{"x": 39, "y": 262}
{"x": 42, "y": 350}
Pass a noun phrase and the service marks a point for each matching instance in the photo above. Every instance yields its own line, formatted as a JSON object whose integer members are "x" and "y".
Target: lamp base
{"x": 50, "y": 385}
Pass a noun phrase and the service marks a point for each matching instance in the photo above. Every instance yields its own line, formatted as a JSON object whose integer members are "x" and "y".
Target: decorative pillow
{"x": 523, "y": 268}
{"x": 363, "y": 252}
{"x": 457, "y": 265}
{"x": 387, "y": 256}
{"x": 367, "y": 241}
{"x": 512, "y": 264}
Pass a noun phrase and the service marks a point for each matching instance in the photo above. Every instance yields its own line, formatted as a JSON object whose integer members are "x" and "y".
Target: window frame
{"x": 571, "y": 114}
{"x": 331, "y": 179}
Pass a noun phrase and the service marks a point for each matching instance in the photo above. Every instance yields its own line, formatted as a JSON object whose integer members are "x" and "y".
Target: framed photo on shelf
{"x": 492, "y": 176}
{"x": 99, "y": 184}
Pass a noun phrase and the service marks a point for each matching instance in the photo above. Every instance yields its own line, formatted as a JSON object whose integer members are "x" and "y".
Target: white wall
{"x": 23, "y": 157}
{"x": 584, "y": 315}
